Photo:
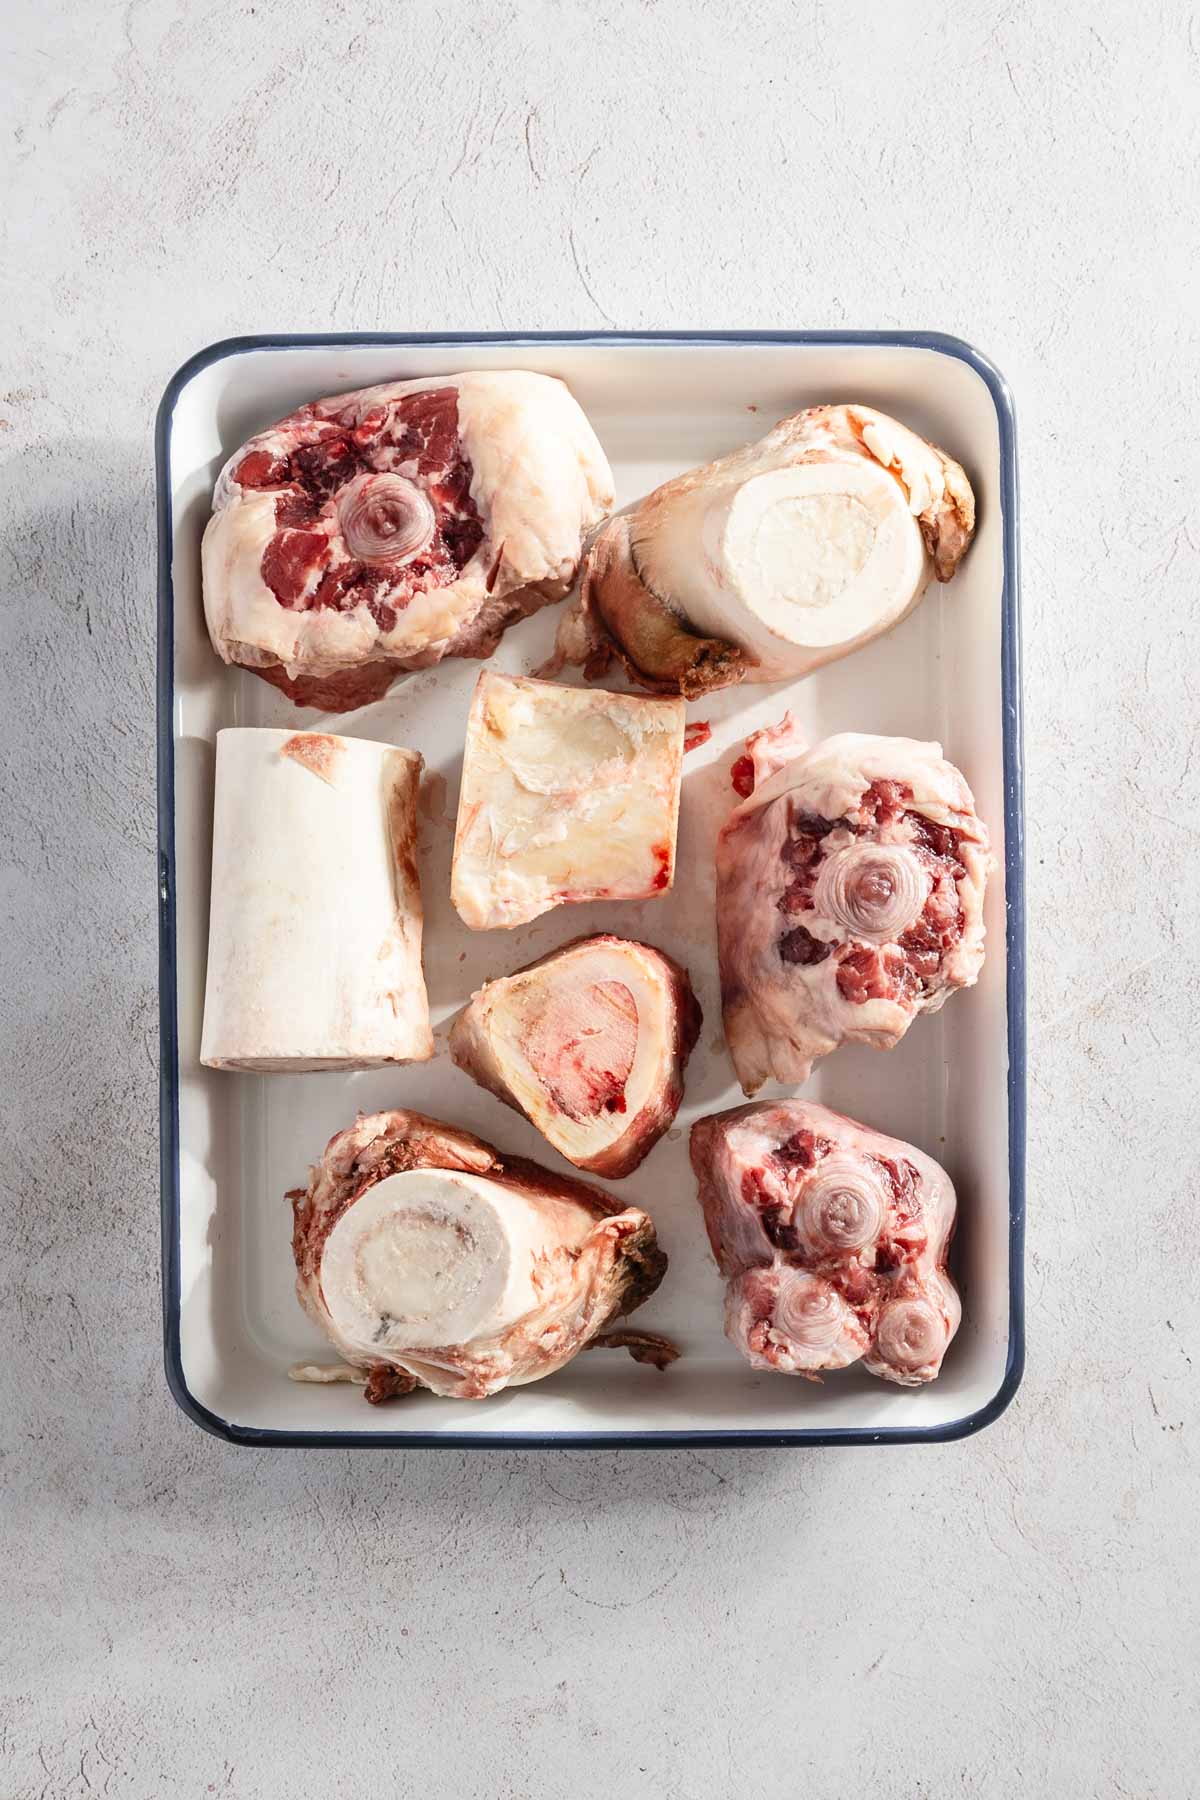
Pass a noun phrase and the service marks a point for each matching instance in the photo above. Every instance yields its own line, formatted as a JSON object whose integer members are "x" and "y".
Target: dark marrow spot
{"x": 779, "y": 1229}
{"x": 294, "y": 507}
{"x": 813, "y": 824}
{"x": 802, "y": 854}
{"x": 800, "y": 946}
{"x": 942, "y": 922}
{"x": 941, "y": 839}
{"x": 803, "y": 1150}
{"x": 383, "y": 614}
{"x": 324, "y": 467}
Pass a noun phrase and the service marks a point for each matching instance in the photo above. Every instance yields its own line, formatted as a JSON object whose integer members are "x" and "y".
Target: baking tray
{"x": 232, "y": 1144}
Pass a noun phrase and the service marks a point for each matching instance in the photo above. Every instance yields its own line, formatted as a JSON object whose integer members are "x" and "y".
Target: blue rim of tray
{"x": 1014, "y": 838}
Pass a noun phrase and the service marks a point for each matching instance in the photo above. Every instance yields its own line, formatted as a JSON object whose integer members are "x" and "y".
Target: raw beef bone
{"x": 567, "y": 795}
{"x": 769, "y": 562}
{"x": 385, "y": 529}
{"x": 850, "y": 886}
{"x": 431, "y": 1260}
{"x": 833, "y": 1241}
{"x": 314, "y": 947}
{"x": 590, "y": 1043}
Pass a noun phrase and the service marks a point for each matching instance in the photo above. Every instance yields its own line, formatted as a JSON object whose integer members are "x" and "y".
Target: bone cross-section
{"x": 382, "y": 530}
{"x": 832, "y": 1239}
{"x": 430, "y": 1259}
{"x": 771, "y": 561}
{"x": 590, "y": 1043}
{"x": 850, "y": 889}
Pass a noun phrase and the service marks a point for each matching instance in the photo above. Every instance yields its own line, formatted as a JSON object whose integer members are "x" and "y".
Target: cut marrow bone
{"x": 850, "y": 889}
{"x": 833, "y": 1240}
{"x": 773, "y": 560}
{"x": 590, "y": 1043}
{"x": 382, "y": 530}
{"x": 314, "y": 948}
{"x": 429, "y": 1259}
{"x": 567, "y": 794}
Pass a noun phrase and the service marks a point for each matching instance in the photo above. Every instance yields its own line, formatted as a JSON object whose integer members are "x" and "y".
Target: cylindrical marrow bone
{"x": 381, "y": 530}
{"x": 774, "y": 560}
{"x": 430, "y": 1259}
{"x": 314, "y": 954}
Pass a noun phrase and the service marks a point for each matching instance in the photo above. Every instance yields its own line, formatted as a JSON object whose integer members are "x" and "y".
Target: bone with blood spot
{"x": 315, "y": 926}
{"x": 582, "y": 1044}
{"x": 590, "y": 1043}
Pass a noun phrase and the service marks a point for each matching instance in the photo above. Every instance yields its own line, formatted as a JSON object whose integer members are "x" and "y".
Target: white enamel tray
{"x": 232, "y": 1144}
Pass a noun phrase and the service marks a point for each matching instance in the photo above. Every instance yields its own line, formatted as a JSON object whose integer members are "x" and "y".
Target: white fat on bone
{"x": 539, "y": 481}
{"x": 773, "y": 560}
{"x": 437, "y": 1256}
{"x": 428, "y": 1258}
{"x": 590, "y": 1043}
{"x": 873, "y": 889}
{"x": 568, "y": 794}
{"x": 832, "y": 1238}
{"x": 314, "y": 956}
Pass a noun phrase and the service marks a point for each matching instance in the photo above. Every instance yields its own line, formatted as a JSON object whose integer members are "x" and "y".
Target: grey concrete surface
{"x": 1016, "y": 1615}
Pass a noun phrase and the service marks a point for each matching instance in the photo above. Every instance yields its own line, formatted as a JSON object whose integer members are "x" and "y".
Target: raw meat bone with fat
{"x": 765, "y": 564}
{"x": 833, "y": 1241}
{"x": 382, "y": 530}
{"x": 850, "y": 890}
{"x": 590, "y": 1043}
{"x": 567, "y": 795}
{"x": 430, "y": 1259}
{"x": 314, "y": 947}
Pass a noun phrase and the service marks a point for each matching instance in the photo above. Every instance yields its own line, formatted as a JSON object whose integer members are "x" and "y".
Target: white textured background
{"x": 1015, "y": 1615}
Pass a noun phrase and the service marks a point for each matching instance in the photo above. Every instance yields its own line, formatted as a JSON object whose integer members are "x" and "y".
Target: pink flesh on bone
{"x": 582, "y": 1291}
{"x": 833, "y": 1239}
{"x": 581, "y": 1028}
{"x": 582, "y": 1046}
{"x": 798, "y": 978}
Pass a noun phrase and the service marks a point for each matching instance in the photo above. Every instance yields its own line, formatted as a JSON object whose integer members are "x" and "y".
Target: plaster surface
{"x": 1013, "y": 1615}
